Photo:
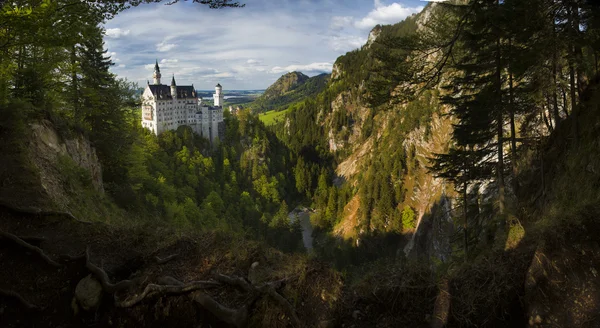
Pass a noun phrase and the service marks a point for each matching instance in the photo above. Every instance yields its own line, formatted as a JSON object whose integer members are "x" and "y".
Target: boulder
{"x": 88, "y": 293}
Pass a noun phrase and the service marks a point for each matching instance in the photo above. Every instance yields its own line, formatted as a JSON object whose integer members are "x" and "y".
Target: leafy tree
{"x": 409, "y": 220}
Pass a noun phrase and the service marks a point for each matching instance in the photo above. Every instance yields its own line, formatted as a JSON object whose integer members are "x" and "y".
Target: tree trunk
{"x": 565, "y": 103}
{"x": 500, "y": 130}
{"x": 513, "y": 130}
{"x": 554, "y": 78}
{"x": 578, "y": 53}
{"x": 74, "y": 86}
{"x": 465, "y": 226}
{"x": 573, "y": 98}
{"x": 577, "y": 63}
{"x": 513, "y": 133}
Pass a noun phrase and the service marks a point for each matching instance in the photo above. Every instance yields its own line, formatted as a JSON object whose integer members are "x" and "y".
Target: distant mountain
{"x": 288, "y": 89}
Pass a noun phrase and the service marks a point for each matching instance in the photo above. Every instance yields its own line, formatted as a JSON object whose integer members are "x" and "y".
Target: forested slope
{"x": 451, "y": 163}
{"x": 288, "y": 89}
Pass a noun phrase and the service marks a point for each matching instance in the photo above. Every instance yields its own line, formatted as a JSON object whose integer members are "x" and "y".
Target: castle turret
{"x": 156, "y": 74}
{"x": 173, "y": 88}
{"x": 218, "y": 96}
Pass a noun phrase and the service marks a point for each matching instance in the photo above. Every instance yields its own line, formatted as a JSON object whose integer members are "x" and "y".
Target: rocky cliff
{"x": 59, "y": 166}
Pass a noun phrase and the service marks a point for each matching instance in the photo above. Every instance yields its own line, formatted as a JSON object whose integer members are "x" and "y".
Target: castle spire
{"x": 156, "y": 74}
{"x": 173, "y": 88}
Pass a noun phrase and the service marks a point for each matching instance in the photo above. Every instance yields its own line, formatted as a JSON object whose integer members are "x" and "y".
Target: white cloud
{"x": 346, "y": 42}
{"x": 164, "y": 46}
{"x": 166, "y": 61}
{"x": 116, "y": 33}
{"x": 312, "y": 67}
{"x": 340, "y": 22}
{"x": 203, "y": 47}
{"x": 382, "y": 14}
{"x": 219, "y": 75}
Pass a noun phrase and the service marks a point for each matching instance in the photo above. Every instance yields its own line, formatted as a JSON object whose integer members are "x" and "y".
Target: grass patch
{"x": 272, "y": 117}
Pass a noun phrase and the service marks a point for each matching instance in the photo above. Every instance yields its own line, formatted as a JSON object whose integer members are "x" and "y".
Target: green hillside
{"x": 288, "y": 89}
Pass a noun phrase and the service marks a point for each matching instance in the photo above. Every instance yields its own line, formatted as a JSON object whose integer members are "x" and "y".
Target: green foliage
{"x": 289, "y": 89}
{"x": 272, "y": 117}
{"x": 409, "y": 219}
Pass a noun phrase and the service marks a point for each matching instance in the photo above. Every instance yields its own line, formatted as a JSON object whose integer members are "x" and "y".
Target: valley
{"x": 442, "y": 172}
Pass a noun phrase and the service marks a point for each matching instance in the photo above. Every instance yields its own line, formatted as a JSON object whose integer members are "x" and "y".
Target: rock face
{"x": 373, "y": 35}
{"x": 39, "y": 165}
{"x": 88, "y": 293}
{"x": 47, "y": 148}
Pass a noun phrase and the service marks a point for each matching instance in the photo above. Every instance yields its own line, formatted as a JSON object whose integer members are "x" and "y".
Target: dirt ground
{"x": 310, "y": 287}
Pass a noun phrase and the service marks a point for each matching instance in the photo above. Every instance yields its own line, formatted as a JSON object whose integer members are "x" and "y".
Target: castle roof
{"x": 163, "y": 91}
{"x": 156, "y": 68}
{"x": 218, "y": 85}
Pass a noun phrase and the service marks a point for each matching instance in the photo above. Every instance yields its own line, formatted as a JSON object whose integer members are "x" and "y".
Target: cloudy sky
{"x": 245, "y": 48}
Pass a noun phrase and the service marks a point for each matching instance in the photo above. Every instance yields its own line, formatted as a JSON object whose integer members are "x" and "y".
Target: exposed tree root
{"x": 170, "y": 286}
{"x": 71, "y": 258}
{"x": 165, "y": 259}
{"x": 37, "y": 211}
{"x": 33, "y": 238}
{"x": 236, "y": 281}
{"x": 10, "y": 293}
{"x": 268, "y": 288}
{"x": 30, "y": 247}
{"x": 168, "y": 280}
{"x": 153, "y": 290}
{"x": 101, "y": 275}
{"x": 287, "y": 306}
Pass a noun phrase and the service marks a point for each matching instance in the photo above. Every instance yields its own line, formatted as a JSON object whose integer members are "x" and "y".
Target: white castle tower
{"x": 156, "y": 74}
{"x": 173, "y": 88}
{"x": 218, "y": 96}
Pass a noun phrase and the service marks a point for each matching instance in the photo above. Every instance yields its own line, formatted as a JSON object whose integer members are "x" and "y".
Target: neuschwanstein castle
{"x": 169, "y": 107}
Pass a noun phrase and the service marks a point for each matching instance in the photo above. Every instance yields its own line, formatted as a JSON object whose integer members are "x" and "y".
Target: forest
{"x": 449, "y": 167}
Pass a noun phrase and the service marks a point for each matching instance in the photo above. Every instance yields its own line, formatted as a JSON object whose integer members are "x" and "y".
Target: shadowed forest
{"x": 449, "y": 167}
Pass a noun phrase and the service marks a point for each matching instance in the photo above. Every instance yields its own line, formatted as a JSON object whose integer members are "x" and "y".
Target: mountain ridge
{"x": 288, "y": 89}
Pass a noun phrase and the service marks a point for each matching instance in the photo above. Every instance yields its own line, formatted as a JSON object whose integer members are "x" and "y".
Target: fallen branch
{"x": 153, "y": 290}
{"x": 237, "y": 318}
{"x": 101, "y": 275}
{"x": 30, "y": 247}
{"x": 166, "y": 259}
{"x": 10, "y": 293}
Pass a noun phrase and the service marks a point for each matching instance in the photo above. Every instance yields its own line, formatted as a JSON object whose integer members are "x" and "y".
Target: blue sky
{"x": 245, "y": 48}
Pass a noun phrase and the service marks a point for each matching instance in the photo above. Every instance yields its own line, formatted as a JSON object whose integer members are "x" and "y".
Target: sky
{"x": 243, "y": 48}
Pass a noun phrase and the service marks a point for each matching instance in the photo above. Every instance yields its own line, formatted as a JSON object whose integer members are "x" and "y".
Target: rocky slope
{"x": 400, "y": 136}
{"x": 289, "y": 88}
{"x": 44, "y": 169}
